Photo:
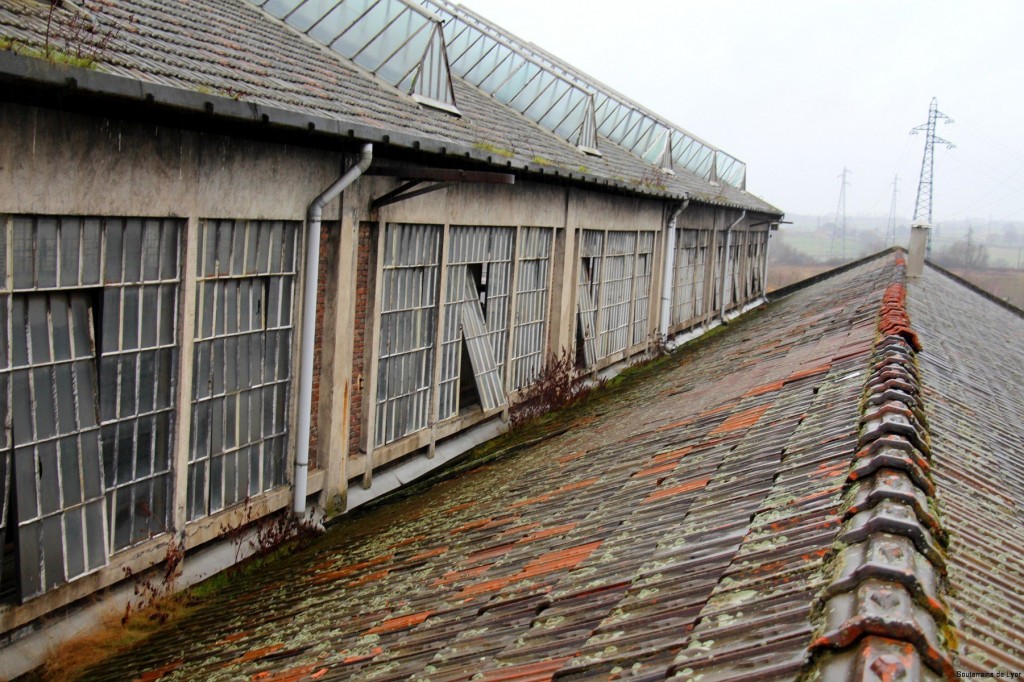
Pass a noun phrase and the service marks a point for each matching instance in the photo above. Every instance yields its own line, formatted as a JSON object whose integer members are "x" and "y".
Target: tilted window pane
{"x": 54, "y": 438}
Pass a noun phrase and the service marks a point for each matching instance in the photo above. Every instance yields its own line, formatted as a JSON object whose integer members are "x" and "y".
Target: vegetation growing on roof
{"x": 74, "y": 36}
{"x": 494, "y": 149}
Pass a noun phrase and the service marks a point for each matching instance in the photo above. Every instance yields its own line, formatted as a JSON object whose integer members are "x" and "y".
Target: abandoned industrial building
{"x": 194, "y": 329}
{"x": 262, "y": 257}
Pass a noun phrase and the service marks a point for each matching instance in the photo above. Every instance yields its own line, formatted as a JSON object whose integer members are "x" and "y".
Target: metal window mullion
{"x": 534, "y": 77}
{"x": 465, "y": 27}
{"x": 379, "y": 33}
{"x": 469, "y": 47}
{"x": 439, "y": 345}
{"x": 349, "y": 27}
{"x": 187, "y": 326}
{"x": 508, "y": 55}
{"x": 539, "y": 95}
{"x": 555, "y": 103}
{"x": 511, "y": 315}
{"x": 509, "y": 77}
{"x": 482, "y": 57}
{"x": 644, "y": 132}
{"x": 601, "y": 291}
{"x": 570, "y": 114}
{"x": 302, "y": 4}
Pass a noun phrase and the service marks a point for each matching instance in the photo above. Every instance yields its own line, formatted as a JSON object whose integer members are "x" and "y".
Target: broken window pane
{"x": 56, "y": 460}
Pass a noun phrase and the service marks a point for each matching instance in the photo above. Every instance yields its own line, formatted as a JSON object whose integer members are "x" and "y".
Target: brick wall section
{"x": 359, "y": 338}
{"x": 328, "y": 245}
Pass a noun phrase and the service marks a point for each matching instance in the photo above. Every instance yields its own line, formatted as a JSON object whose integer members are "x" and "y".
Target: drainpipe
{"x": 670, "y": 263}
{"x": 764, "y": 271}
{"x": 313, "y": 215}
{"x": 725, "y": 266}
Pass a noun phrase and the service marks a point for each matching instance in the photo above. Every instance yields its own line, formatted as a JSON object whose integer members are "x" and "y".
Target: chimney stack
{"x": 918, "y": 244}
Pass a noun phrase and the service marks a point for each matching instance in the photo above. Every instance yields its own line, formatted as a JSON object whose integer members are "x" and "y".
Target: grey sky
{"x": 799, "y": 89}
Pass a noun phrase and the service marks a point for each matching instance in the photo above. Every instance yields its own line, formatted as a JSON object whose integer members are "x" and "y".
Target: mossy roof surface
{"x": 683, "y": 518}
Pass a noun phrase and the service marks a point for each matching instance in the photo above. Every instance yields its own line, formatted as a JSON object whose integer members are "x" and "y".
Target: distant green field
{"x": 860, "y": 243}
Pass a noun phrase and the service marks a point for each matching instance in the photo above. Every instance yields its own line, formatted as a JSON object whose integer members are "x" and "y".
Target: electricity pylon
{"x": 923, "y": 208}
{"x": 890, "y": 232}
{"x": 839, "y": 226}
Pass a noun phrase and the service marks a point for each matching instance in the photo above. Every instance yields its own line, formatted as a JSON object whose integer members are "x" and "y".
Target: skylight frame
{"x": 471, "y": 41}
{"x": 373, "y": 34}
{"x": 612, "y": 108}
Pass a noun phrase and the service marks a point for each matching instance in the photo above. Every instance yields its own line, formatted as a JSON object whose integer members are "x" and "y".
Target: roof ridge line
{"x": 827, "y": 274}
{"x": 881, "y": 614}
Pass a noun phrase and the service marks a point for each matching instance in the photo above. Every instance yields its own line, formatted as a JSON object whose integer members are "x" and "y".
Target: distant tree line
{"x": 964, "y": 254}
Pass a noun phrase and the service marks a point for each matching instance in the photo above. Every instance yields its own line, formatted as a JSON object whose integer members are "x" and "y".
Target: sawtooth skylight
{"x": 394, "y": 39}
{"x": 494, "y": 60}
{"x": 509, "y": 71}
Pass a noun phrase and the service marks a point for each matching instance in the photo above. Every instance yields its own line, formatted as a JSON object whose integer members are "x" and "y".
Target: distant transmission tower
{"x": 923, "y": 209}
{"x": 890, "y": 232}
{"x": 839, "y": 227}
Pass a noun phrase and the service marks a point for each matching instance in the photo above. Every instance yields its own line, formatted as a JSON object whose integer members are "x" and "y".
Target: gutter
{"x": 74, "y": 88}
{"x": 313, "y": 218}
{"x": 725, "y": 266}
{"x": 670, "y": 262}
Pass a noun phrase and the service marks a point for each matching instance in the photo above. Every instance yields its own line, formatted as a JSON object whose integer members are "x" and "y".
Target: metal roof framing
{"x": 611, "y": 107}
{"x": 396, "y": 40}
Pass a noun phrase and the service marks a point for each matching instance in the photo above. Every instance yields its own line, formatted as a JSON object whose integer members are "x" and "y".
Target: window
{"x": 408, "y": 329}
{"x": 477, "y": 297}
{"x": 530, "y": 324}
{"x": 690, "y": 271}
{"x": 242, "y": 361}
{"x": 91, "y": 328}
{"x": 613, "y": 293}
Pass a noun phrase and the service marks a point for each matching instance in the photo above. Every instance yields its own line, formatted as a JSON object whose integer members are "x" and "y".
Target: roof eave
{"x": 71, "y": 80}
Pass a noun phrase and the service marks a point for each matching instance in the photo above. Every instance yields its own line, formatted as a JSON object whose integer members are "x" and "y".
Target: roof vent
{"x": 919, "y": 235}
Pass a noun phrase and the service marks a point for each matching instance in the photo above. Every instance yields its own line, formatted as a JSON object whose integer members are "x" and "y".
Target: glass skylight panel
{"x": 730, "y": 170}
{"x": 513, "y": 73}
{"x": 656, "y": 148}
{"x": 395, "y": 39}
{"x": 617, "y": 118}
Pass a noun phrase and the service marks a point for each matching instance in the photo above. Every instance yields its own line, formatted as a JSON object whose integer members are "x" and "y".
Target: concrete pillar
{"x": 918, "y": 245}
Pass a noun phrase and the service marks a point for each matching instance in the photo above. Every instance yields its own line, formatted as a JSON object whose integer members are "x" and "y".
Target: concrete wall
{"x": 62, "y": 163}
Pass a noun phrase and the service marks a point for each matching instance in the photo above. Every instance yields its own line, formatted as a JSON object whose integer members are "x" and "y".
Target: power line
{"x": 840, "y": 223}
{"x": 890, "y": 232}
{"x": 923, "y": 207}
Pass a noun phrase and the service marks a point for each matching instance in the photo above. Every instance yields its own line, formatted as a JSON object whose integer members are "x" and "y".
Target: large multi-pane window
{"x": 90, "y": 330}
{"x": 642, "y": 285}
{"x": 613, "y": 291}
{"x": 587, "y": 288}
{"x": 757, "y": 249}
{"x": 408, "y": 330}
{"x": 242, "y": 361}
{"x": 477, "y": 297}
{"x": 689, "y": 273}
{"x": 736, "y": 268}
{"x": 530, "y": 323}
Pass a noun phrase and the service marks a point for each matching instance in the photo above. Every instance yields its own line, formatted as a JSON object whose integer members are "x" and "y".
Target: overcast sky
{"x": 800, "y": 89}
